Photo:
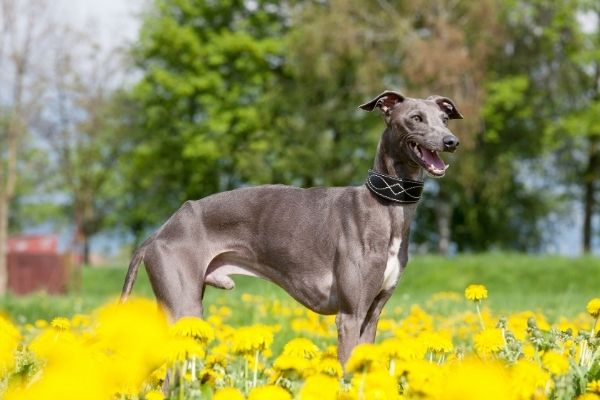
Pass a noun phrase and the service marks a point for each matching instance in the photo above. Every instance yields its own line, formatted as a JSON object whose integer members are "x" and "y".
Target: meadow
{"x": 556, "y": 285}
{"x": 495, "y": 326}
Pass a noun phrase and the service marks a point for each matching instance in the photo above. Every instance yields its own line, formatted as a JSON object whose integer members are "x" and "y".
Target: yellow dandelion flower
{"x": 216, "y": 358}
{"x": 134, "y": 334}
{"x": 247, "y": 298}
{"x": 415, "y": 322}
{"x": 364, "y": 357}
{"x": 320, "y": 387}
{"x": 250, "y": 339}
{"x": 330, "y": 351}
{"x": 529, "y": 380}
{"x": 9, "y": 340}
{"x": 224, "y": 311}
{"x": 301, "y": 347}
{"x": 439, "y": 342}
{"x": 386, "y": 325}
{"x": 184, "y": 348}
{"x": 80, "y": 321}
{"x": 41, "y": 324}
{"x": 594, "y": 386}
{"x": 211, "y": 376}
{"x": 593, "y": 307}
{"x": 403, "y": 349}
{"x": 476, "y": 292}
{"x": 61, "y": 324}
{"x": 270, "y": 392}
{"x": 228, "y": 394}
{"x": 474, "y": 379}
{"x": 154, "y": 395}
{"x": 555, "y": 363}
{"x": 329, "y": 366}
{"x": 66, "y": 358}
{"x": 285, "y": 363}
{"x": 50, "y": 343}
{"x": 195, "y": 328}
{"x": 489, "y": 341}
{"x": 588, "y": 396}
{"x": 422, "y": 377}
{"x": 564, "y": 325}
{"x": 377, "y": 385}
{"x": 159, "y": 374}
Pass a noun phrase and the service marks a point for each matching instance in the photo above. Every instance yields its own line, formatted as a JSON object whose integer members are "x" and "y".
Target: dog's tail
{"x": 134, "y": 266}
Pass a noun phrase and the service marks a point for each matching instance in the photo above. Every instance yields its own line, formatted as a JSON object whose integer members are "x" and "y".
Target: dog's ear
{"x": 447, "y": 106}
{"x": 385, "y": 101}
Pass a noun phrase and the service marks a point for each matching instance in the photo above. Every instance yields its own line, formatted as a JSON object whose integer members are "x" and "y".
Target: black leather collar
{"x": 395, "y": 189}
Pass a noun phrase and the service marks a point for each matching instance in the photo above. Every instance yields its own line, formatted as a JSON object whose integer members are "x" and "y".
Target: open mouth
{"x": 429, "y": 160}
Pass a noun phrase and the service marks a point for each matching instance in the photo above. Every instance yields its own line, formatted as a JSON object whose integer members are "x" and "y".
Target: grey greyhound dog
{"x": 337, "y": 250}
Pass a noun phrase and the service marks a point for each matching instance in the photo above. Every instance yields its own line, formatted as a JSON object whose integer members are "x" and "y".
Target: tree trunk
{"x": 3, "y": 244}
{"x": 86, "y": 250}
{"x": 591, "y": 175}
{"x": 8, "y": 181}
{"x": 443, "y": 210}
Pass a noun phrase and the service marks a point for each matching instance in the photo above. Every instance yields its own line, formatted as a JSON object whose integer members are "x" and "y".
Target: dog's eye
{"x": 445, "y": 120}
{"x": 417, "y": 118}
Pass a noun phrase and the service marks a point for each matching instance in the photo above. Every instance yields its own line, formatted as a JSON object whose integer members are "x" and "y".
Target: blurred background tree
{"x": 207, "y": 69}
{"x": 24, "y": 28}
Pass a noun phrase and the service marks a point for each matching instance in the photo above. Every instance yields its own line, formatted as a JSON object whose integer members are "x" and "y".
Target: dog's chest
{"x": 392, "y": 267}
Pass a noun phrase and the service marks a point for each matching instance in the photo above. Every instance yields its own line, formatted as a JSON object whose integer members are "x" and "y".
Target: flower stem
{"x": 361, "y": 390}
{"x": 585, "y": 353}
{"x": 182, "y": 370}
{"x": 246, "y": 383}
{"x": 193, "y": 368}
{"x": 479, "y": 314}
{"x": 255, "y": 375}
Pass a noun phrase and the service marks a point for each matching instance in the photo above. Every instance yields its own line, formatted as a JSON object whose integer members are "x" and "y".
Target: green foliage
{"x": 207, "y": 67}
{"x": 506, "y": 104}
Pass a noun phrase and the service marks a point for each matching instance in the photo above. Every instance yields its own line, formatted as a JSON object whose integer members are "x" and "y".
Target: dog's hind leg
{"x": 176, "y": 281}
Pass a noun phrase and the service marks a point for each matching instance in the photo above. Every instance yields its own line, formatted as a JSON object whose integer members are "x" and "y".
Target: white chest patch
{"x": 392, "y": 267}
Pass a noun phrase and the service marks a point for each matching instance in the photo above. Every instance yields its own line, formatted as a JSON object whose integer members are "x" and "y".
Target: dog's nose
{"x": 451, "y": 142}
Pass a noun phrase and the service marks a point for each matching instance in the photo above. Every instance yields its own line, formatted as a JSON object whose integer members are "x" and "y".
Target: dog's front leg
{"x": 352, "y": 310}
{"x": 369, "y": 325}
{"x": 348, "y": 327}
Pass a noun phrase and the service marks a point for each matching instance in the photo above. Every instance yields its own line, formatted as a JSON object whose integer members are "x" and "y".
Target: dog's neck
{"x": 389, "y": 160}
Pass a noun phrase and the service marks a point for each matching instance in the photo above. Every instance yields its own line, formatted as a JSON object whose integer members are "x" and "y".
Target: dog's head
{"x": 418, "y": 128}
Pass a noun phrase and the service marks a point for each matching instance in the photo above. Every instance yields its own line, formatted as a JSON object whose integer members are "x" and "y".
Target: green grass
{"x": 554, "y": 285}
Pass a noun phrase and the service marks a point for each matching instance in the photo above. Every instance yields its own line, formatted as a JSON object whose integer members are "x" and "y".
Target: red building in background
{"x": 33, "y": 244}
{"x": 34, "y": 264}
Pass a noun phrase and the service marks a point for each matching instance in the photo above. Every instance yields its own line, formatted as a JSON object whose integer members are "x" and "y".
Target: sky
{"x": 115, "y": 21}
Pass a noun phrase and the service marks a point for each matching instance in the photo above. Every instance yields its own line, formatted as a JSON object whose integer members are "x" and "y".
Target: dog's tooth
{"x": 446, "y": 167}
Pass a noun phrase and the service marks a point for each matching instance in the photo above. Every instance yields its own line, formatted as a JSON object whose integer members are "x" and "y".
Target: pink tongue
{"x": 432, "y": 159}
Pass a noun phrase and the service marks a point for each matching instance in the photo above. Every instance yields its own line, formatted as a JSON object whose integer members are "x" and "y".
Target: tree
{"x": 558, "y": 60}
{"x": 449, "y": 54}
{"x": 422, "y": 48}
{"x": 82, "y": 127}
{"x": 24, "y": 26}
{"x": 338, "y": 55}
{"x": 207, "y": 69}
{"x": 581, "y": 121}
